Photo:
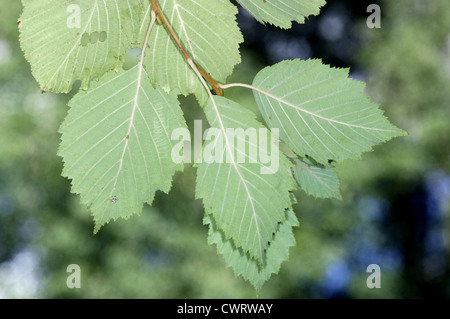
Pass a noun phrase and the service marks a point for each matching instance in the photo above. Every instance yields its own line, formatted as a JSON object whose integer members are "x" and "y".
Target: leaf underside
{"x": 319, "y": 111}
{"x": 317, "y": 180}
{"x": 245, "y": 266}
{"x": 235, "y": 192}
{"x": 281, "y": 13}
{"x": 116, "y": 144}
{"x": 63, "y": 47}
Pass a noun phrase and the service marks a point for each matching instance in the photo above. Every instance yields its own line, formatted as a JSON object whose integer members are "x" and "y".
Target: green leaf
{"x": 63, "y": 47}
{"x": 320, "y": 111}
{"x": 316, "y": 180}
{"x": 242, "y": 264}
{"x": 282, "y": 12}
{"x": 246, "y": 203}
{"x": 208, "y": 31}
{"x": 116, "y": 144}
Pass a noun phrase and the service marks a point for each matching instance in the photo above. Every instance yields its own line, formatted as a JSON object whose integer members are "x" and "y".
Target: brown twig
{"x": 160, "y": 16}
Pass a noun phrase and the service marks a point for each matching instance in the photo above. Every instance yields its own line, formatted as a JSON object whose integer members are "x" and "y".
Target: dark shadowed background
{"x": 395, "y": 211}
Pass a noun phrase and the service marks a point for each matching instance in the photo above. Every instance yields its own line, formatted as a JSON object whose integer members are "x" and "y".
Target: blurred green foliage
{"x": 164, "y": 254}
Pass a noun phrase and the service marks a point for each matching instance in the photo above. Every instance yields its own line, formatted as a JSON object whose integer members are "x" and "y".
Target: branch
{"x": 161, "y": 18}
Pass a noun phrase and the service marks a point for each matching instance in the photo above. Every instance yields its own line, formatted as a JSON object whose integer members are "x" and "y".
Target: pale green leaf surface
{"x": 61, "y": 53}
{"x": 209, "y": 33}
{"x": 116, "y": 144}
{"x": 277, "y": 252}
{"x": 316, "y": 180}
{"x": 246, "y": 205}
{"x": 319, "y": 111}
{"x": 281, "y": 13}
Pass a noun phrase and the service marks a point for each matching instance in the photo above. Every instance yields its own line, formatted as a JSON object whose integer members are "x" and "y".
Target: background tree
{"x": 395, "y": 211}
